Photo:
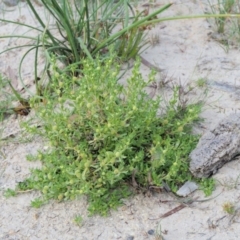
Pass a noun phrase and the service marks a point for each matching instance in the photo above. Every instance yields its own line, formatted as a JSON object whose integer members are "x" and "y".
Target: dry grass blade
{"x": 23, "y": 108}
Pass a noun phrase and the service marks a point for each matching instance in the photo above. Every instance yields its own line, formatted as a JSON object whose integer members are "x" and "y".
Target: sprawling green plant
{"x": 105, "y": 137}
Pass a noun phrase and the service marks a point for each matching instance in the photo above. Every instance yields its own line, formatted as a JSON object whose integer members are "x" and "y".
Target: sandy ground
{"x": 187, "y": 53}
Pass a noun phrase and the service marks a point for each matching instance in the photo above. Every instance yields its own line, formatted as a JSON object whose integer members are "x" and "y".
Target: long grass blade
{"x": 84, "y": 48}
{"x": 40, "y": 20}
{"x": 134, "y": 25}
{"x": 16, "y": 47}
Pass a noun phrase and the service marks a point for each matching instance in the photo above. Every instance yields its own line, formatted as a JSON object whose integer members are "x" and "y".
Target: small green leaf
{"x": 10, "y": 193}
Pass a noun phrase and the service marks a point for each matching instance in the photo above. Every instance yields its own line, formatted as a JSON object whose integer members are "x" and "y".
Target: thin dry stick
{"x": 176, "y": 209}
{"x": 150, "y": 65}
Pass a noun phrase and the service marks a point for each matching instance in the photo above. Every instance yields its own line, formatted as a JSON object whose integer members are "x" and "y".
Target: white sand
{"x": 187, "y": 53}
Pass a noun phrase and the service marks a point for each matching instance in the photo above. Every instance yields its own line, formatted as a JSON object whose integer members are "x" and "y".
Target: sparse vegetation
{"x": 228, "y": 208}
{"x": 207, "y": 185}
{"x": 85, "y": 29}
{"x": 228, "y": 28}
{"x": 154, "y": 40}
{"x": 5, "y": 98}
{"x": 201, "y": 82}
{"x": 78, "y": 220}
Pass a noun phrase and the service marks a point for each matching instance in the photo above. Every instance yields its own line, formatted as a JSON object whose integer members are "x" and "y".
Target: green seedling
{"x": 10, "y": 193}
{"x": 207, "y": 185}
{"x": 78, "y": 220}
{"x": 201, "y": 82}
{"x": 37, "y": 203}
{"x": 228, "y": 208}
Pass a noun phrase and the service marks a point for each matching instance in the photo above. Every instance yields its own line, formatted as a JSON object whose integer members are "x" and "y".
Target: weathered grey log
{"x": 216, "y": 147}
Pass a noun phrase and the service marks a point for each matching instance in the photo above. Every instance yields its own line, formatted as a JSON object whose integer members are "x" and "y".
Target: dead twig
{"x": 174, "y": 210}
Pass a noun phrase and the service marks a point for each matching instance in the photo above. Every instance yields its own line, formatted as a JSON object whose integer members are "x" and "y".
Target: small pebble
{"x": 129, "y": 238}
{"x": 151, "y": 232}
{"x": 16, "y": 168}
{"x": 187, "y": 188}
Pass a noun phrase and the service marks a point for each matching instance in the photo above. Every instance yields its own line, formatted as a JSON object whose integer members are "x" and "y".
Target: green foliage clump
{"x": 105, "y": 136}
{"x": 207, "y": 185}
